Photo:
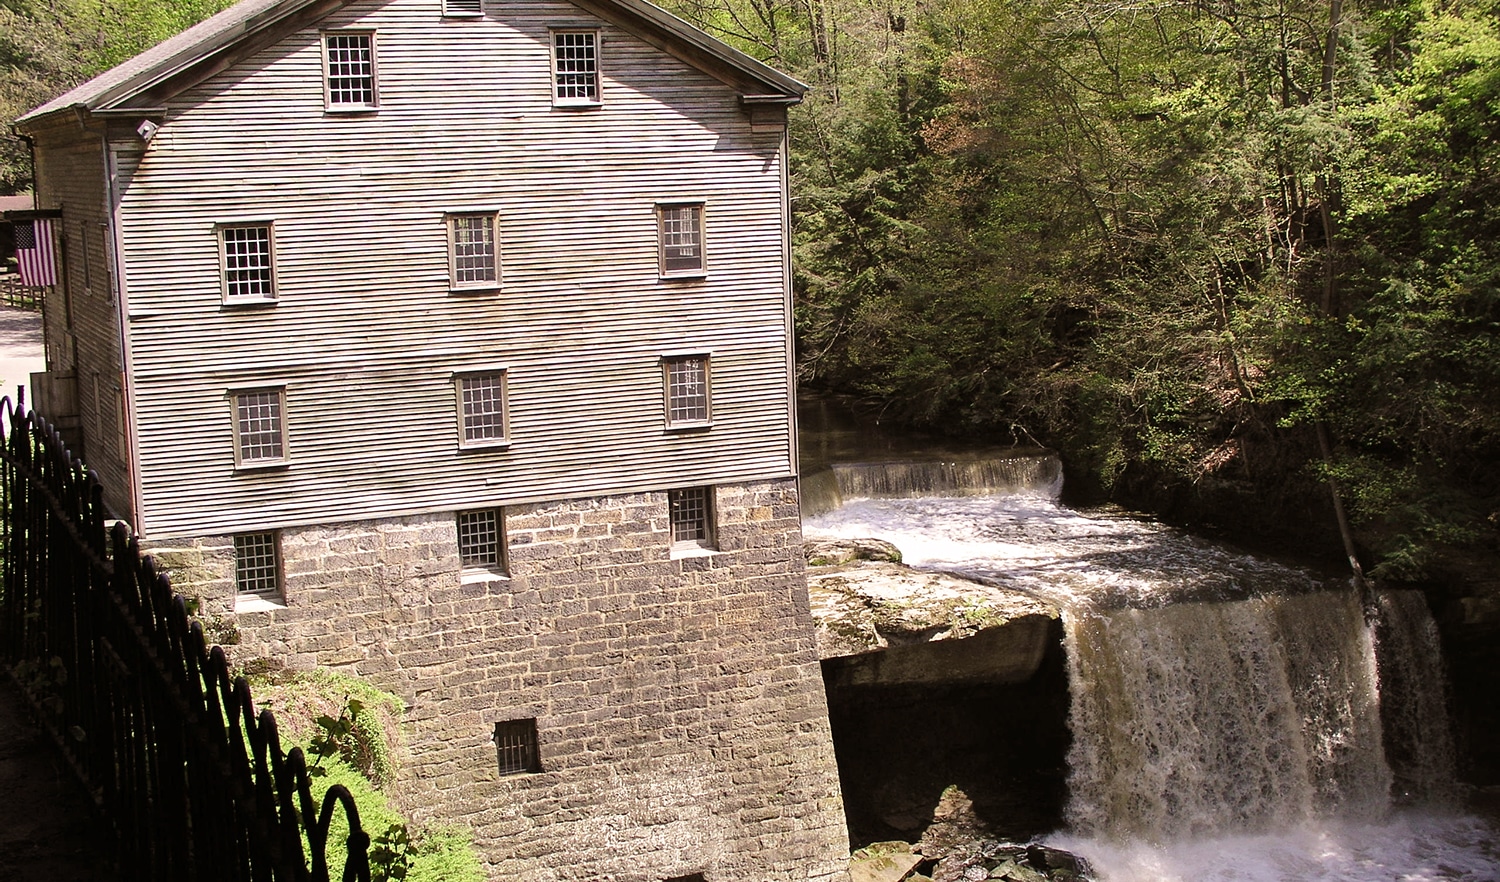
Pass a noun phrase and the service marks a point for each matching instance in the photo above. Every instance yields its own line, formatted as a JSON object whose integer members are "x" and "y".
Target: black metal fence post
{"x": 194, "y": 782}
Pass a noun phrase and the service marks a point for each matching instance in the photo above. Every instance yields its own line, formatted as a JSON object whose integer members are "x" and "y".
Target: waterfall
{"x": 1007, "y": 473}
{"x": 1232, "y": 718}
{"x": 1419, "y": 739}
{"x": 1196, "y": 719}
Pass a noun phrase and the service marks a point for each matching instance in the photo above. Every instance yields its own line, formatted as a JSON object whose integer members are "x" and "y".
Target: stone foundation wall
{"x": 681, "y": 719}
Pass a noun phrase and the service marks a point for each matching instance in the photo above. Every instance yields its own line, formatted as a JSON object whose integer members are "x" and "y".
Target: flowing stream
{"x": 1226, "y": 710}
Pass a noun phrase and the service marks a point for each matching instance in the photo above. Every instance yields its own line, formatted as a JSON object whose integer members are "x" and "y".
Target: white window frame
{"x": 329, "y": 104}
{"x": 221, "y": 232}
{"x": 673, "y": 397}
{"x": 452, "y": 221}
{"x": 451, "y": 8}
{"x": 237, "y": 400}
{"x": 460, "y": 380}
{"x": 473, "y": 524}
{"x": 695, "y": 499}
{"x": 664, "y": 234}
{"x": 555, "y": 83}
{"x": 260, "y": 596}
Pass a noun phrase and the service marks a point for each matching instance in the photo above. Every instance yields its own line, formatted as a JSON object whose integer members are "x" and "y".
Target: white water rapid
{"x": 1226, "y": 710}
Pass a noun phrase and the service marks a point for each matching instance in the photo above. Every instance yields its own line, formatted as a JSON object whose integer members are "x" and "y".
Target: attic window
{"x": 463, "y": 8}
{"x": 349, "y": 67}
{"x": 575, "y": 68}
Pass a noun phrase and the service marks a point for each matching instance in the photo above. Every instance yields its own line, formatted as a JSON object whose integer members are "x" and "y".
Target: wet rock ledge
{"x": 890, "y": 624}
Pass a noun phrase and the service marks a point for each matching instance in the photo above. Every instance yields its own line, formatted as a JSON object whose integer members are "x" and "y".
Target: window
{"x": 685, "y": 378}
{"x": 515, "y": 747}
{"x": 473, "y": 257}
{"x": 349, "y": 61}
{"x": 691, "y": 516}
{"x": 690, "y": 877}
{"x": 575, "y": 67}
{"x": 246, "y": 263}
{"x": 259, "y": 427}
{"x": 463, "y": 8}
{"x": 481, "y": 409}
{"x": 680, "y": 239}
{"x": 481, "y": 540}
{"x": 257, "y": 567}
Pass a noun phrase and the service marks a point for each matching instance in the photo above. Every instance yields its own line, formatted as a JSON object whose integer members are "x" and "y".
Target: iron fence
{"x": 193, "y": 782}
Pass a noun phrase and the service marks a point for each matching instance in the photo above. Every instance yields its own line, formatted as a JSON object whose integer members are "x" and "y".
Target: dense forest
{"x": 1224, "y": 255}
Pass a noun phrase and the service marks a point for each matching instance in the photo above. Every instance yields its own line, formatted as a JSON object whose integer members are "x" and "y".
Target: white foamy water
{"x": 1226, "y": 709}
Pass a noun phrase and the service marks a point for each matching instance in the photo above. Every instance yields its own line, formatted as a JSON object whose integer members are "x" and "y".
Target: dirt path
{"x": 48, "y": 831}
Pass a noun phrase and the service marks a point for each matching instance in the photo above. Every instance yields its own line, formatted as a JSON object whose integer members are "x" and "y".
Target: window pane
{"x": 577, "y": 68}
{"x": 689, "y": 514}
{"x": 483, "y": 407}
{"x": 473, "y": 249}
{"x": 351, "y": 70}
{"x": 687, "y": 390}
{"x": 258, "y": 418}
{"x": 479, "y": 539}
{"x": 247, "y": 262}
{"x": 681, "y": 238}
{"x": 255, "y": 566}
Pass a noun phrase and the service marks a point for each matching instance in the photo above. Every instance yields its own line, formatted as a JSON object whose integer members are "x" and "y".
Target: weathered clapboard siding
{"x": 366, "y": 335}
{"x": 81, "y": 317}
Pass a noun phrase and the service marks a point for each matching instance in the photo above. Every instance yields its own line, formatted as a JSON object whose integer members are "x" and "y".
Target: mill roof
{"x": 189, "y": 57}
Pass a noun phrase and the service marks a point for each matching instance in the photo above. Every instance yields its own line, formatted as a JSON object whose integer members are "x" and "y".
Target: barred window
{"x": 259, "y": 426}
{"x": 481, "y": 409}
{"x": 245, "y": 259}
{"x": 516, "y": 747}
{"x": 350, "y": 70}
{"x": 691, "y": 516}
{"x": 473, "y": 255}
{"x": 680, "y": 239}
{"x": 481, "y": 539}
{"x": 257, "y": 565}
{"x": 686, "y": 383}
{"x": 575, "y": 67}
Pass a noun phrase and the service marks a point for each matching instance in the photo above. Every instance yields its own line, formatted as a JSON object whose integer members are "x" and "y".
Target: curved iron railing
{"x": 193, "y": 781}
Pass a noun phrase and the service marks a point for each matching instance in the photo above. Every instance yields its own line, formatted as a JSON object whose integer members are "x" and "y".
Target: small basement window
{"x": 691, "y": 516}
{"x": 690, "y": 877}
{"x": 481, "y": 541}
{"x": 257, "y": 572}
{"x": 516, "y": 748}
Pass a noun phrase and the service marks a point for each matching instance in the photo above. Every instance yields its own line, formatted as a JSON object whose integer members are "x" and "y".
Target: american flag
{"x": 34, "y": 252}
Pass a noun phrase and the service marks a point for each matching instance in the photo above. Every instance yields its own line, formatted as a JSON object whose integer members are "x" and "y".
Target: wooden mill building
{"x": 447, "y": 342}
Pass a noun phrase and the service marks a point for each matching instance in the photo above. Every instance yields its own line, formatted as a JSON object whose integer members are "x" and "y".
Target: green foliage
{"x": 1165, "y": 239}
{"x": 334, "y": 715}
{"x": 349, "y": 729}
{"x": 48, "y": 48}
{"x": 397, "y": 852}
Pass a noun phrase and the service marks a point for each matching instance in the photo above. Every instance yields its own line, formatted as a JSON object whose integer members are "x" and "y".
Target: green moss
{"x": 365, "y": 764}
